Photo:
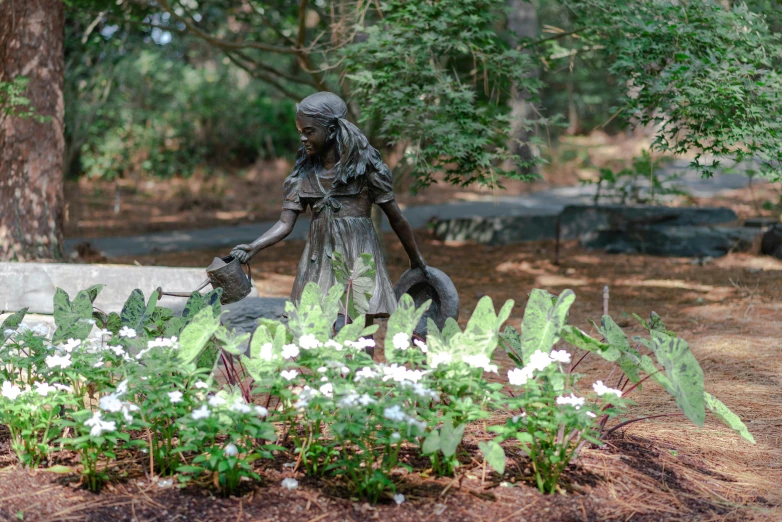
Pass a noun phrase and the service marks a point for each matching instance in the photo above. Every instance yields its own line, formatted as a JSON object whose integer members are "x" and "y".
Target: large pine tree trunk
{"x": 523, "y": 23}
{"x": 31, "y": 152}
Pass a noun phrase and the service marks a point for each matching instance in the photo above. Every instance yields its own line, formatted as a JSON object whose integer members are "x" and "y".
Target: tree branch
{"x": 224, "y": 44}
{"x": 268, "y": 79}
{"x": 272, "y": 70}
{"x": 549, "y": 38}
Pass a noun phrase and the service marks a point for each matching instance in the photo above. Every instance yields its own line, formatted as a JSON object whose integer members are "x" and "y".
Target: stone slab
{"x": 576, "y": 221}
{"x": 684, "y": 241}
{"x": 498, "y": 230}
{"x": 33, "y": 285}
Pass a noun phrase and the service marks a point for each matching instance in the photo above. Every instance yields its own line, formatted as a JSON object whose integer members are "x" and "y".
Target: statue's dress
{"x": 341, "y": 223}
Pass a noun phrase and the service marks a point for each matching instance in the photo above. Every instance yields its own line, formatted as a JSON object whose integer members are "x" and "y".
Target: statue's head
{"x": 317, "y": 120}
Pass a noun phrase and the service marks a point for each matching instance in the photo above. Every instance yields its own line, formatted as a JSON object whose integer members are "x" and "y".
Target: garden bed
{"x": 664, "y": 469}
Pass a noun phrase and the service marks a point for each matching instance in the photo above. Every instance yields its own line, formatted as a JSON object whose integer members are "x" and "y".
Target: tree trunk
{"x": 523, "y": 23}
{"x": 31, "y": 152}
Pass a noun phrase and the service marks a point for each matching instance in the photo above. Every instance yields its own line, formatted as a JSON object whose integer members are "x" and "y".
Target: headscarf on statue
{"x": 353, "y": 149}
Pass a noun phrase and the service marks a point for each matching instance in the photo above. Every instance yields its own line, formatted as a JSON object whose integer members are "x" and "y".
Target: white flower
{"x": 118, "y": 350}
{"x": 266, "y": 352}
{"x": 480, "y": 361}
{"x": 231, "y": 450}
{"x": 401, "y": 341}
{"x": 70, "y": 344}
{"x": 110, "y": 403}
{"x": 161, "y": 342}
{"x": 240, "y": 406}
{"x": 175, "y": 396}
{"x": 517, "y": 418}
{"x": 399, "y": 498}
{"x": 122, "y": 388}
{"x": 104, "y": 332}
{"x": 395, "y": 436}
{"x": 327, "y": 390}
{"x": 40, "y": 329}
{"x": 125, "y": 331}
{"x": 560, "y": 356}
{"x": 289, "y": 351}
{"x": 289, "y": 483}
{"x": 572, "y": 400}
{"x": 440, "y": 358}
{"x": 62, "y": 387}
{"x": 201, "y": 385}
{"x": 365, "y": 400}
{"x": 361, "y": 343}
{"x": 601, "y": 389}
{"x": 289, "y": 375}
{"x": 422, "y": 345}
{"x": 331, "y": 343}
{"x": 61, "y": 361}
{"x": 99, "y": 426}
{"x": 261, "y": 411}
{"x": 308, "y": 342}
{"x": 539, "y": 360}
{"x": 519, "y": 376}
{"x": 394, "y": 413}
{"x": 322, "y": 369}
{"x": 216, "y": 401}
{"x": 11, "y": 391}
{"x": 365, "y": 373}
{"x": 590, "y": 414}
{"x": 201, "y": 413}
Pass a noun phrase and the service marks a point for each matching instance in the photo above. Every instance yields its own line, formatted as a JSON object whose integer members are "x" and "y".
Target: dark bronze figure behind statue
{"x": 339, "y": 175}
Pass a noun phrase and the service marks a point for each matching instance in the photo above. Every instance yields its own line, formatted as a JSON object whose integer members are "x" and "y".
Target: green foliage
{"x": 74, "y": 319}
{"x": 14, "y": 103}
{"x": 708, "y": 76}
{"x": 196, "y": 335}
{"x": 437, "y": 75}
{"x": 640, "y": 184}
{"x": 358, "y": 281}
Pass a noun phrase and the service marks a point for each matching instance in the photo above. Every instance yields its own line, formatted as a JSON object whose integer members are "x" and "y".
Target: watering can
{"x": 226, "y": 273}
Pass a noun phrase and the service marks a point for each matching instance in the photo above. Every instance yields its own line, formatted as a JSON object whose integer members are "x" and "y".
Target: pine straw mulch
{"x": 663, "y": 469}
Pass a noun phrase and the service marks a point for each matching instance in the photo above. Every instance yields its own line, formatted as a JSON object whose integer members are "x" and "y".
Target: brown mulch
{"x": 665, "y": 469}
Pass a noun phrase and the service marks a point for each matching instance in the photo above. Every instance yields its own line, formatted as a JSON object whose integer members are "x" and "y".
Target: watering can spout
{"x": 225, "y": 273}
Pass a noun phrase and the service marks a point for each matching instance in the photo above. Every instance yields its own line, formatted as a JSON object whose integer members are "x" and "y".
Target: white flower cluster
{"x": 480, "y": 361}
{"x": 601, "y": 389}
{"x": 99, "y": 426}
{"x": 11, "y": 391}
{"x": 401, "y": 341}
{"x": 396, "y": 414}
{"x": 538, "y": 361}
{"x": 571, "y": 400}
{"x": 113, "y": 402}
{"x": 353, "y": 398}
{"x": 400, "y": 374}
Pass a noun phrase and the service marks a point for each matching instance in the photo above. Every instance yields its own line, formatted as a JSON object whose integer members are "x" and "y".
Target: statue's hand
{"x": 242, "y": 252}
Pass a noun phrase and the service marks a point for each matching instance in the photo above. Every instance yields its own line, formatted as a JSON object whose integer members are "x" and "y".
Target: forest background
{"x": 470, "y": 92}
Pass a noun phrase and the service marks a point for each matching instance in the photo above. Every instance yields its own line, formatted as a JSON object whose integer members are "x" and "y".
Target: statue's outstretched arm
{"x": 277, "y": 233}
{"x": 404, "y": 231}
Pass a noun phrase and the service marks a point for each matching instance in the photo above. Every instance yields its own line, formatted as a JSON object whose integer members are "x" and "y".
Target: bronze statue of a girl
{"x": 339, "y": 175}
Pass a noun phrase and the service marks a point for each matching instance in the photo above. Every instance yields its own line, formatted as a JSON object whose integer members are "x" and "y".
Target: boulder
{"x": 502, "y": 230}
{"x": 577, "y": 221}
{"x": 685, "y": 241}
{"x": 771, "y": 244}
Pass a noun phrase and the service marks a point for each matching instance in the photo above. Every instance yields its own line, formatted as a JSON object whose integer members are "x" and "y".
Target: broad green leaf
{"x": 450, "y": 437}
{"x": 260, "y": 337}
{"x": 114, "y": 323}
{"x": 196, "y": 334}
{"x": 729, "y": 418}
{"x": 93, "y": 291}
{"x": 684, "y": 372}
{"x": 355, "y": 330}
{"x": 403, "y": 320}
{"x": 13, "y": 321}
{"x": 307, "y": 317}
{"x": 431, "y": 443}
{"x": 648, "y": 367}
{"x": 493, "y": 454}
{"x": 59, "y": 469}
{"x": 74, "y": 322}
{"x": 132, "y": 313}
{"x": 543, "y": 321}
{"x": 230, "y": 341}
{"x": 581, "y": 340}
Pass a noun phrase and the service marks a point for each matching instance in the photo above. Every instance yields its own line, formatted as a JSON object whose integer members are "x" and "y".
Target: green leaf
{"x": 59, "y": 469}
{"x": 73, "y": 319}
{"x": 729, "y": 418}
{"x": 133, "y": 310}
{"x": 93, "y": 291}
{"x": 403, "y": 320}
{"x": 431, "y": 443}
{"x": 114, "y": 323}
{"x": 13, "y": 321}
{"x": 581, "y": 340}
{"x": 196, "y": 334}
{"x": 358, "y": 281}
{"x": 494, "y": 455}
{"x": 450, "y": 437}
{"x": 684, "y": 372}
{"x": 540, "y": 328}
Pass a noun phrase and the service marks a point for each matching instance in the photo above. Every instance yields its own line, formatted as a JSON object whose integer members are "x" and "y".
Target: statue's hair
{"x": 354, "y": 152}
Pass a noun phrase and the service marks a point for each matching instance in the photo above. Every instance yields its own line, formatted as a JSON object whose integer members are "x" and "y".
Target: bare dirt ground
{"x": 663, "y": 469}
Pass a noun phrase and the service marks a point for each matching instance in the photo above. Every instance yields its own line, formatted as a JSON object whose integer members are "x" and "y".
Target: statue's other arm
{"x": 277, "y": 233}
{"x": 404, "y": 231}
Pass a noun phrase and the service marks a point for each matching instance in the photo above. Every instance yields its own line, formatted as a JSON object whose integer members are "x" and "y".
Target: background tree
{"x": 31, "y": 150}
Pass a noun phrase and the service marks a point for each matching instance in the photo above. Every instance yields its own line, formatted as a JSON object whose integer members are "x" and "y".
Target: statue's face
{"x": 315, "y": 139}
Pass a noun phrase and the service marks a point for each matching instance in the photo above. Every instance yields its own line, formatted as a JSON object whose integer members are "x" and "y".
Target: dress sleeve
{"x": 290, "y": 189}
{"x": 381, "y": 184}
